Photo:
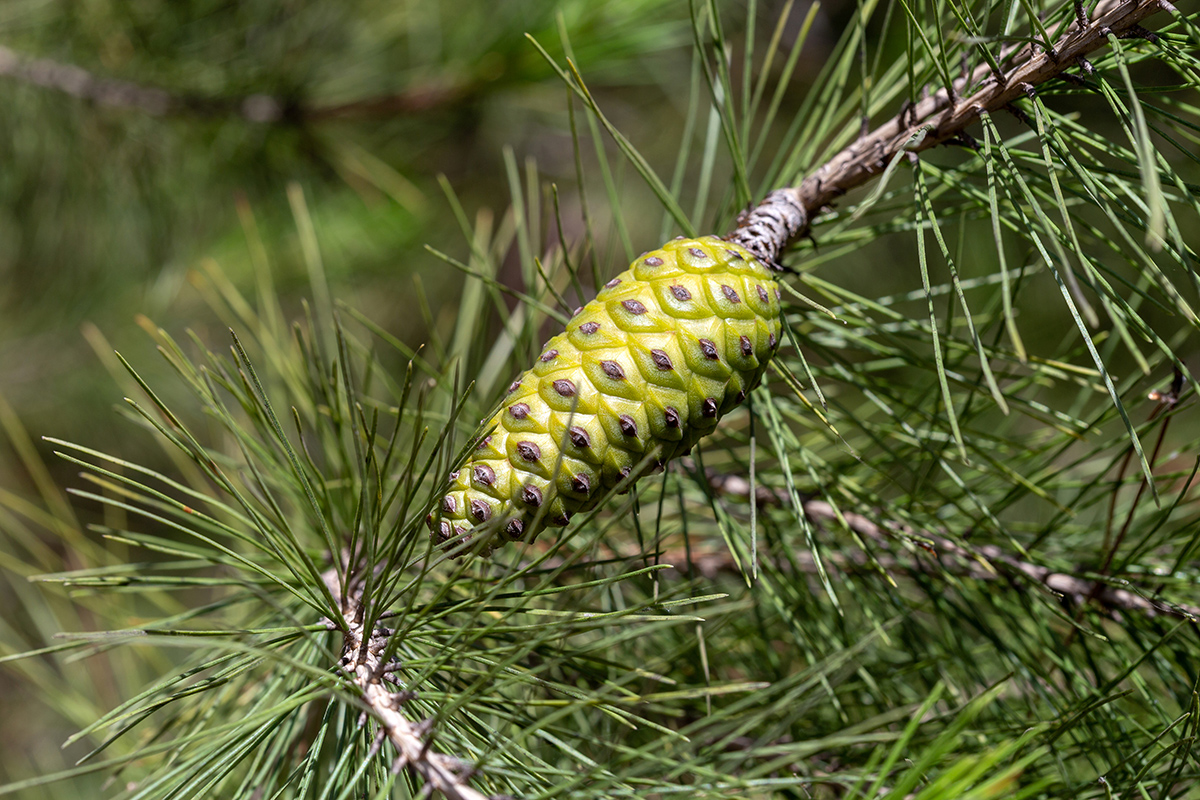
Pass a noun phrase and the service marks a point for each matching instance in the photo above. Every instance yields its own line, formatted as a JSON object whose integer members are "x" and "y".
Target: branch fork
{"x": 363, "y": 653}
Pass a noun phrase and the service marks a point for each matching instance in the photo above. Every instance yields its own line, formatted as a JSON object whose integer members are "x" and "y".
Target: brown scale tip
{"x": 514, "y": 529}
{"x": 529, "y": 451}
{"x": 709, "y": 407}
{"x": 628, "y": 426}
{"x": 747, "y": 346}
{"x": 762, "y": 294}
{"x": 588, "y": 328}
{"x": 582, "y": 484}
{"x": 579, "y": 437}
{"x": 681, "y": 292}
{"x": 449, "y": 505}
{"x": 612, "y": 283}
{"x": 661, "y": 360}
{"x": 653, "y": 261}
{"x": 549, "y": 355}
{"x": 613, "y": 370}
{"x": 709, "y": 348}
{"x": 531, "y": 496}
{"x": 519, "y": 410}
{"x": 564, "y": 387}
{"x": 634, "y": 307}
{"x": 672, "y": 415}
{"x": 697, "y": 252}
{"x": 480, "y": 511}
{"x": 484, "y": 475}
{"x": 771, "y": 340}
{"x": 730, "y": 294}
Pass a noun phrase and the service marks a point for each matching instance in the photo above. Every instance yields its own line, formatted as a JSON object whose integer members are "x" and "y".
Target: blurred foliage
{"x": 104, "y": 210}
{"x": 109, "y": 213}
{"x": 990, "y": 324}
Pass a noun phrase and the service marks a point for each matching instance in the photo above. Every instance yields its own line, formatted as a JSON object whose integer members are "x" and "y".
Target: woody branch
{"x": 786, "y": 214}
{"x": 363, "y": 658}
{"x": 981, "y": 562}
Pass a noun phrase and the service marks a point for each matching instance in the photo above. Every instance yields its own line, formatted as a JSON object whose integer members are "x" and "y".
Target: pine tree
{"x": 948, "y": 548}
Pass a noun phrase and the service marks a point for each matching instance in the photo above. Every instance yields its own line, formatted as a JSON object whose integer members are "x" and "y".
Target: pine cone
{"x": 639, "y": 376}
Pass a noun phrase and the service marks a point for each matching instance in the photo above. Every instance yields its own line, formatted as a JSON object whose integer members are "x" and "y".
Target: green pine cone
{"x": 639, "y": 376}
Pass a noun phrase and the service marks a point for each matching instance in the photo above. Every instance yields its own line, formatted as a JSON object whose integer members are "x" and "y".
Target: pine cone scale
{"x": 640, "y": 374}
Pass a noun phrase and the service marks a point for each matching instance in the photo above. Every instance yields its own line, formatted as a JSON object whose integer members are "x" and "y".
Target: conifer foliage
{"x": 943, "y": 543}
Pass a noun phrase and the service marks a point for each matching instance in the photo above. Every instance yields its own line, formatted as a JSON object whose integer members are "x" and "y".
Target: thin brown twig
{"x": 786, "y": 214}
{"x": 257, "y": 108}
{"x": 982, "y": 562}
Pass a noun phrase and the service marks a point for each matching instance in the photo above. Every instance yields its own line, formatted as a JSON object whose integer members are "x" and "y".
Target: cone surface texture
{"x": 641, "y": 373}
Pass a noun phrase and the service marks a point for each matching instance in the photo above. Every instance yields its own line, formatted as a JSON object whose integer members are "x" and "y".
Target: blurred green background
{"x": 233, "y": 119}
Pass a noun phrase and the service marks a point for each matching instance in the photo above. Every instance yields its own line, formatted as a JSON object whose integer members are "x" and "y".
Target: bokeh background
{"x": 145, "y": 142}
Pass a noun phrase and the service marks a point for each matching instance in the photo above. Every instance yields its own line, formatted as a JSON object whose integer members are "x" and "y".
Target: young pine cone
{"x": 639, "y": 376}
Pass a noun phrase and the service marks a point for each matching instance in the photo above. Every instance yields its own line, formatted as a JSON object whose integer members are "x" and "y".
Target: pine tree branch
{"x": 362, "y": 658}
{"x": 786, "y": 214}
{"x": 258, "y": 108}
{"x": 979, "y": 562}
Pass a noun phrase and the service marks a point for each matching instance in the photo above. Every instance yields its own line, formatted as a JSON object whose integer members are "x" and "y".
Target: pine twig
{"x": 362, "y": 659}
{"x": 978, "y": 562}
{"x": 257, "y": 108}
{"x": 786, "y": 214}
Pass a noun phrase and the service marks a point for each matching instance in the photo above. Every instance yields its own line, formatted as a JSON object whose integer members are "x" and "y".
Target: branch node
{"x": 423, "y": 729}
{"x": 1020, "y": 115}
{"x": 766, "y": 230}
{"x": 1081, "y": 14}
{"x": 1138, "y": 32}
{"x": 964, "y": 139}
